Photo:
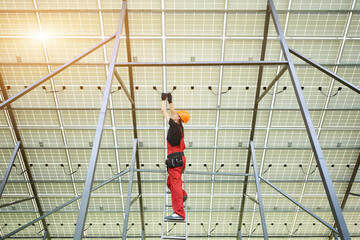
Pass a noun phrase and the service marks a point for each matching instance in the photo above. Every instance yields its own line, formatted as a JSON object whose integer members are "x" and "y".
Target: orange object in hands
{"x": 184, "y": 115}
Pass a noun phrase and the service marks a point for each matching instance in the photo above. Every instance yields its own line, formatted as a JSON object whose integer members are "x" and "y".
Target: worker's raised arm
{"x": 163, "y": 107}
{"x": 172, "y": 109}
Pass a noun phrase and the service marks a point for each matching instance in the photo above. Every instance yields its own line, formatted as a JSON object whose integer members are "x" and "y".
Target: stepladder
{"x": 168, "y": 226}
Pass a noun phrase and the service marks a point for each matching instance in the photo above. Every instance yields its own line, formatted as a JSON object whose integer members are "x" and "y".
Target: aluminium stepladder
{"x": 168, "y": 207}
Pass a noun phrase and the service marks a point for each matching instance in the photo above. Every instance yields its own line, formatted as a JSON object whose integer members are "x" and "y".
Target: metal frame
{"x": 253, "y": 122}
{"x": 8, "y": 170}
{"x": 133, "y": 114}
{"x": 329, "y": 188}
{"x": 129, "y": 202}
{"x": 80, "y": 224}
{"x": 258, "y": 190}
{"x": 288, "y": 65}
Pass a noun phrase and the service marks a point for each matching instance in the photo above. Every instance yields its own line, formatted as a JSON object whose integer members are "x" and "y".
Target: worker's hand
{"x": 169, "y": 97}
{"x": 163, "y": 96}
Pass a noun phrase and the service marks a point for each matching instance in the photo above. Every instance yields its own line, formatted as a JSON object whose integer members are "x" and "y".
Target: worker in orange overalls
{"x": 176, "y": 160}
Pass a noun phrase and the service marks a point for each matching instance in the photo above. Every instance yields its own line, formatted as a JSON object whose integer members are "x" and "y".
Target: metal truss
{"x": 288, "y": 65}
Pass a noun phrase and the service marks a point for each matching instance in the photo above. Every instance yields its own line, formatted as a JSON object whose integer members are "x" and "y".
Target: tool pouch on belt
{"x": 174, "y": 160}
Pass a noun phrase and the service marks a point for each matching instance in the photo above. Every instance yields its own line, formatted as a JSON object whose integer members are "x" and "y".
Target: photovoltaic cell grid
{"x": 194, "y": 31}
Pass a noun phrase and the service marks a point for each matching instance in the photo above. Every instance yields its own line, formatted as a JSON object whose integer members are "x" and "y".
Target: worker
{"x": 176, "y": 160}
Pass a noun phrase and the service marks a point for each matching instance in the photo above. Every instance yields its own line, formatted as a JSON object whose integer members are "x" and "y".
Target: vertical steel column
{"x": 79, "y": 230}
{"x": 133, "y": 113}
{"x": 32, "y": 187}
{"x": 8, "y": 170}
{"x": 239, "y": 235}
{"x": 128, "y": 198}
{"x": 257, "y": 94}
{"x": 258, "y": 190}
{"x": 143, "y": 235}
{"x": 328, "y": 185}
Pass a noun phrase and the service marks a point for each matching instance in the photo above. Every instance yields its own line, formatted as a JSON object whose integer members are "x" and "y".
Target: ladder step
{"x": 173, "y": 237}
{"x": 168, "y": 192}
{"x": 176, "y": 221}
{"x": 168, "y": 205}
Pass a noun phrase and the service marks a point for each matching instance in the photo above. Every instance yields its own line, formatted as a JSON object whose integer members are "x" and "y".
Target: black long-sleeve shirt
{"x": 174, "y": 133}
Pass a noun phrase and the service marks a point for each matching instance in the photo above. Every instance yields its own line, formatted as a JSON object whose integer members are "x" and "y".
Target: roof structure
{"x": 218, "y": 58}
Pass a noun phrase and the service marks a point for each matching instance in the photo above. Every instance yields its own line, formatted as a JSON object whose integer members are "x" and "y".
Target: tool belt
{"x": 174, "y": 160}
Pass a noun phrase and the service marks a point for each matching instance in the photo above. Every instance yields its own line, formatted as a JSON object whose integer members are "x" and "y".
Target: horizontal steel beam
{"x": 355, "y": 128}
{"x": 190, "y": 64}
{"x": 249, "y": 210}
{"x": 198, "y": 173}
{"x": 252, "y": 63}
{"x": 189, "y": 109}
{"x": 326, "y": 71}
{"x": 160, "y": 181}
{"x": 193, "y": 236}
{"x": 231, "y": 11}
{"x": 189, "y": 148}
{"x": 140, "y": 37}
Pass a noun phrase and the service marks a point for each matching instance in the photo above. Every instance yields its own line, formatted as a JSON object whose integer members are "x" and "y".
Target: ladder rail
{"x": 164, "y": 207}
{"x": 185, "y": 206}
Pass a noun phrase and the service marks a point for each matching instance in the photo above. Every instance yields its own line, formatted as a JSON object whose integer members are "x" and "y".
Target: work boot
{"x": 174, "y": 217}
{"x": 184, "y": 198}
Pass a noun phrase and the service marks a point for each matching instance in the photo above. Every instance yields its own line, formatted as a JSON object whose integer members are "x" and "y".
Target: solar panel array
{"x": 57, "y": 121}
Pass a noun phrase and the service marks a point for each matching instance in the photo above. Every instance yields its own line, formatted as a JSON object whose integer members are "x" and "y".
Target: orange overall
{"x": 174, "y": 181}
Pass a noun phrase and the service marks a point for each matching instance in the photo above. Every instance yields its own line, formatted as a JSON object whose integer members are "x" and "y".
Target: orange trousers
{"x": 174, "y": 183}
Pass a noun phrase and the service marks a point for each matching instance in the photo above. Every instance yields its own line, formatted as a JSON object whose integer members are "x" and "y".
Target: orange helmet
{"x": 184, "y": 115}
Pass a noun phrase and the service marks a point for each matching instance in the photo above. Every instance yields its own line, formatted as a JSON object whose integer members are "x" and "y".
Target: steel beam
{"x": 23, "y": 155}
{"x": 159, "y": 64}
{"x": 189, "y": 181}
{"x": 128, "y": 197}
{"x": 63, "y": 205}
{"x": 191, "y": 236}
{"x": 298, "y": 204}
{"x": 52, "y": 74}
{"x": 133, "y": 114}
{"x": 328, "y": 185}
{"x": 197, "y": 109}
{"x": 191, "y": 64}
{"x": 45, "y": 235}
{"x": 198, "y": 173}
{"x": 324, "y": 70}
{"x": 8, "y": 170}
{"x": 16, "y": 202}
{"x": 253, "y": 122}
{"x": 278, "y": 76}
{"x": 258, "y": 190}
{"x": 80, "y": 224}
{"x": 123, "y": 86}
